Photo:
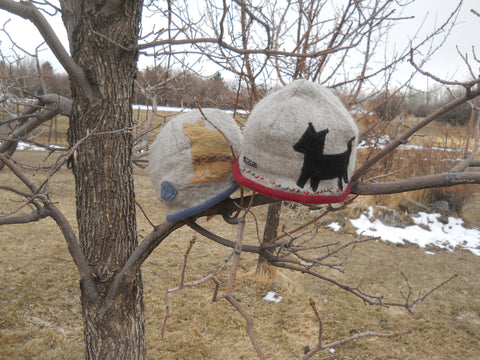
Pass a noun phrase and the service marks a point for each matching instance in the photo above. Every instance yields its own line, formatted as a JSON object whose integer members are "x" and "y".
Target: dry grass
{"x": 440, "y": 148}
{"x": 41, "y": 314}
{"x": 54, "y": 131}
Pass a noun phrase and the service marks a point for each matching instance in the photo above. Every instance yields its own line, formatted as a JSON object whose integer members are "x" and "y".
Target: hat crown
{"x": 299, "y": 145}
{"x": 191, "y": 161}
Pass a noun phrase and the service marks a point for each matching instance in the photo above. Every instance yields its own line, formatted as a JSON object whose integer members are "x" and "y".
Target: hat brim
{"x": 204, "y": 206}
{"x": 283, "y": 195}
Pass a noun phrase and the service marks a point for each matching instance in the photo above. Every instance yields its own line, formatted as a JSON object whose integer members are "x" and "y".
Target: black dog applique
{"x": 317, "y": 165}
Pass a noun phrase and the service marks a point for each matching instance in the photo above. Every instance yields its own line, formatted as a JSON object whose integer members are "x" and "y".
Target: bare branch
{"x": 231, "y": 244}
{"x": 86, "y": 273}
{"x": 185, "y": 257}
{"x": 413, "y": 306}
{"x": 303, "y": 226}
{"x": 228, "y": 294}
{"x": 467, "y": 85}
{"x": 352, "y": 338}
{"x": 52, "y": 104}
{"x": 86, "y": 276}
{"x": 321, "y": 347}
{"x": 16, "y": 171}
{"x": 141, "y": 253}
{"x": 185, "y": 285}
{"x": 356, "y": 291}
{"x": 416, "y": 183}
{"x": 240, "y": 51}
{"x": 237, "y": 251}
{"x": 190, "y": 284}
{"x": 24, "y": 219}
{"x": 231, "y": 299}
{"x": 28, "y": 11}
{"x": 403, "y": 138}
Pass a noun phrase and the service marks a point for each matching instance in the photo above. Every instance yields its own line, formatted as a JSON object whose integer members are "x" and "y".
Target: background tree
{"x": 285, "y": 40}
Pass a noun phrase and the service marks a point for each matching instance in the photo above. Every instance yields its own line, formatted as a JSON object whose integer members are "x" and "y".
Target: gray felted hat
{"x": 191, "y": 161}
{"x": 299, "y": 145}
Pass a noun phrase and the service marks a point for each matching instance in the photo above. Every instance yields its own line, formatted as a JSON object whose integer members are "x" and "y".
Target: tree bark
{"x": 103, "y": 45}
{"x": 269, "y": 235}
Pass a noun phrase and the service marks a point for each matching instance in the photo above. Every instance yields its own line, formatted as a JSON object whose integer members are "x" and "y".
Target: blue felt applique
{"x": 169, "y": 192}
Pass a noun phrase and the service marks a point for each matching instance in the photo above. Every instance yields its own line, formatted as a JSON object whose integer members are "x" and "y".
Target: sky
{"x": 446, "y": 63}
{"x": 465, "y": 34}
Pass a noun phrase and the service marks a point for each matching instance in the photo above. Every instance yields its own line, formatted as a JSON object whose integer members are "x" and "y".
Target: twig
{"x": 367, "y": 298}
{"x": 407, "y": 134}
{"x": 178, "y": 288}
{"x": 86, "y": 276}
{"x": 352, "y": 338}
{"x": 320, "y": 322}
{"x": 415, "y": 303}
{"x": 228, "y": 294}
{"x": 303, "y": 226}
{"x": 467, "y": 85}
{"x": 185, "y": 257}
{"x": 227, "y": 139}
{"x": 236, "y": 255}
{"x": 144, "y": 214}
{"x": 28, "y": 11}
{"x": 4, "y": 159}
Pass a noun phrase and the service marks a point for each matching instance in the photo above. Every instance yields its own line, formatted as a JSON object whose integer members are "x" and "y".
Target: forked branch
{"x": 320, "y": 346}
{"x": 50, "y": 210}
{"x": 228, "y": 295}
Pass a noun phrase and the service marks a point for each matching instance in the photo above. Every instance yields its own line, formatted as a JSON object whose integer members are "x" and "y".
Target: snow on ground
{"x": 21, "y": 146}
{"x": 272, "y": 297}
{"x": 335, "y": 226}
{"x": 431, "y": 232}
{"x": 161, "y": 108}
{"x": 175, "y": 109}
{"x": 384, "y": 140}
{"x": 24, "y": 146}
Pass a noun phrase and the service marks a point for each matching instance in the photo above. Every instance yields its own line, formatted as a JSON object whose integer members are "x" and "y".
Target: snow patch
{"x": 272, "y": 297}
{"x": 177, "y": 109}
{"x": 431, "y": 232}
{"x": 335, "y": 226}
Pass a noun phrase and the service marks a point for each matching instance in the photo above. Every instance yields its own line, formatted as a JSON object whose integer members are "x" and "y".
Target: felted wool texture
{"x": 191, "y": 162}
{"x": 269, "y": 162}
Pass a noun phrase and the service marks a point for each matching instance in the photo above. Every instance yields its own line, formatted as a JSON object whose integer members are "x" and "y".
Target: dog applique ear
{"x": 311, "y": 145}
{"x": 307, "y": 139}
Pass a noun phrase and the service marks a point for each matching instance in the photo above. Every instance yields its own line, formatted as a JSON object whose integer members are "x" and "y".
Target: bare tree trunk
{"x": 103, "y": 43}
{"x": 269, "y": 235}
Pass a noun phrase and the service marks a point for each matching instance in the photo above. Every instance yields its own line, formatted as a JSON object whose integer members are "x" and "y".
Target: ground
{"x": 41, "y": 313}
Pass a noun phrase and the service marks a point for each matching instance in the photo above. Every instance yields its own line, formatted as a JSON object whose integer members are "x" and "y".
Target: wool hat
{"x": 299, "y": 145}
{"x": 191, "y": 161}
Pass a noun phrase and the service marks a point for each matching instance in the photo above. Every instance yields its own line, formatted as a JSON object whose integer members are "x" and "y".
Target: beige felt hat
{"x": 191, "y": 161}
{"x": 299, "y": 145}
